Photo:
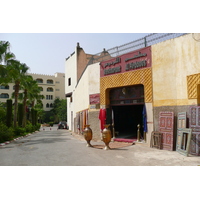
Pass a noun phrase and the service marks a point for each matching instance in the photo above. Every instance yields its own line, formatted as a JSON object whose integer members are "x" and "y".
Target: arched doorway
{"x": 126, "y": 104}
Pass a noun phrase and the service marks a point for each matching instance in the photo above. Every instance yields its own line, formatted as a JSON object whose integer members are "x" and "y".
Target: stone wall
{"x": 93, "y": 119}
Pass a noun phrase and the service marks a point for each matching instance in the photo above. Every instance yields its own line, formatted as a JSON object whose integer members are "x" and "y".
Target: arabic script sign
{"x": 127, "y": 62}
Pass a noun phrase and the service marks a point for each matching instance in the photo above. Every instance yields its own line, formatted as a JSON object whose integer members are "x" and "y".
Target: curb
{"x": 8, "y": 142}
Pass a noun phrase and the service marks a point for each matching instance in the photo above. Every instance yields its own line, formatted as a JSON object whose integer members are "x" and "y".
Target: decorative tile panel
{"x": 192, "y": 82}
{"x": 142, "y": 76}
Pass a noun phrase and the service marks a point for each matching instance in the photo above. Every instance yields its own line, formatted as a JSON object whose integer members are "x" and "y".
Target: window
{"x": 41, "y": 89}
{"x": 4, "y": 87}
{"x": 69, "y": 81}
{"x": 51, "y": 105}
{"x": 49, "y": 97}
{"x": 49, "y": 89}
{"x": 39, "y": 80}
{"x": 47, "y": 105}
{"x": 49, "y": 81}
{"x": 4, "y": 95}
{"x": 57, "y": 81}
{"x": 14, "y": 87}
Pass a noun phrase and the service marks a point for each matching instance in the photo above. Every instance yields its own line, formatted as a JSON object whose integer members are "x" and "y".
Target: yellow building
{"x": 52, "y": 87}
{"x": 164, "y": 77}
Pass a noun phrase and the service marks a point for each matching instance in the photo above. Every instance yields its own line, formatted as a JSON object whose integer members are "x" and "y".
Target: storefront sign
{"x": 131, "y": 61}
{"x": 135, "y": 65}
{"x": 112, "y": 70}
{"x": 94, "y": 98}
{"x": 118, "y": 60}
{"x": 137, "y": 56}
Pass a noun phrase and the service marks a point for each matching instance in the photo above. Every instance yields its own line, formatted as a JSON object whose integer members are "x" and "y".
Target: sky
{"x": 43, "y": 33}
{"x": 45, "y": 53}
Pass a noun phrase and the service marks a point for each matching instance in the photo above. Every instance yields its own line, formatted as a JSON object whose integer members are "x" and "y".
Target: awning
{"x": 68, "y": 94}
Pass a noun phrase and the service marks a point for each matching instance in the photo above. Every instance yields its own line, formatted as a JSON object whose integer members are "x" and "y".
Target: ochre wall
{"x": 175, "y": 71}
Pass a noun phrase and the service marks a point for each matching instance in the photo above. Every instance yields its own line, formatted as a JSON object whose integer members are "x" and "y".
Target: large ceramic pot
{"x": 106, "y": 136}
{"x": 88, "y": 135}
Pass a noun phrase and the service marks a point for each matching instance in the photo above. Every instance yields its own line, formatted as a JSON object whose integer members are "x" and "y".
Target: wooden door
{"x": 181, "y": 123}
{"x": 195, "y": 126}
{"x": 166, "y": 127}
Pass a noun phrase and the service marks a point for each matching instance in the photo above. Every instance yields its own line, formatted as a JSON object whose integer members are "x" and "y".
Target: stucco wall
{"x": 88, "y": 84}
{"x": 60, "y": 85}
{"x": 70, "y": 72}
{"x": 172, "y": 61}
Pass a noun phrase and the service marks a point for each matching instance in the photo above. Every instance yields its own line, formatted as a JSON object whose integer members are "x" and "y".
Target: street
{"x": 60, "y": 148}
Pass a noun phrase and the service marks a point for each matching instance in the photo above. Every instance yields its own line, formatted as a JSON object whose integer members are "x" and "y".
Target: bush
{"x": 2, "y": 115}
{"x": 6, "y": 133}
{"x": 51, "y": 124}
{"x": 29, "y": 128}
{"x": 37, "y": 127}
{"x": 19, "y": 131}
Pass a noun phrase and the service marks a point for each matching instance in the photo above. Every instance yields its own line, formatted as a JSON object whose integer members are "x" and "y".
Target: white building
{"x": 82, "y": 89}
{"x": 52, "y": 87}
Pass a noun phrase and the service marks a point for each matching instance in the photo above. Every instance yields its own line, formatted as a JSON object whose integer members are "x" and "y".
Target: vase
{"x": 106, "y": 136}
{"x": 88, "y": 135}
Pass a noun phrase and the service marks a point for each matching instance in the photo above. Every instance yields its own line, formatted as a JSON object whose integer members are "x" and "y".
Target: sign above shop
{"x": 117, "y": 60}
{"x": 131, "y": 61}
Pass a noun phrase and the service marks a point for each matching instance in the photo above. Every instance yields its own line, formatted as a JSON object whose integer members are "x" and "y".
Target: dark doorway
{"x": 126, "y": 119}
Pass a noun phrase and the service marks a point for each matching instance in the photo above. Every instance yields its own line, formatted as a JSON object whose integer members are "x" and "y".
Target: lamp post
{"x": 138, "y": 133}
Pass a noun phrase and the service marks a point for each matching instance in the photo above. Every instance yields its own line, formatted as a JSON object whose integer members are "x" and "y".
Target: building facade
{"x": 81, "y": 86}
{"x": 136, "y": 88}
{"x": 126, "y": 92}
{"x": 52, "y": 87}
{"x": 164, "y": 78}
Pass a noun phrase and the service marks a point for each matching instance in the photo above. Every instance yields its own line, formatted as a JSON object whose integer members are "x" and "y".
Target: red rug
{"x": 113, "y": 145}
{"x": 125, "y": 140}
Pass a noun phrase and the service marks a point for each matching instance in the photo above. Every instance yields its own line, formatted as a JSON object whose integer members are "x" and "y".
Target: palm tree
{"x": 31, "y": 90}
{"x": 16, "y": 74}
{"x": 5, "y": 56}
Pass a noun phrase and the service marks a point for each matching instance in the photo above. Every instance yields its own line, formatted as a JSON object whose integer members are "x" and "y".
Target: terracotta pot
{"x": 88, "y": 135}
{"x": 106, "y": 136}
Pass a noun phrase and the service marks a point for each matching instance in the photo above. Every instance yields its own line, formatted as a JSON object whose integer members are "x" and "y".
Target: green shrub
{"x": 2, "y": 115}
{"x": 29, "y": 128}
{"x": 37, "y": 127}
{"x": 51, "y": 124}
{"x": 19, "y": 131}
{"x": 6, "y": 133}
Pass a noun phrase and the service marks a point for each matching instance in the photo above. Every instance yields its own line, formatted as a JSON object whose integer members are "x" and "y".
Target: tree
{"x": 11, "y": 71}
{"x": 5, "y": 56}
{"x": 16, "y": 73}
{"x": 31, "y": 92}
{"x": 60, "y": 109}
{"x": 9, "y": 112}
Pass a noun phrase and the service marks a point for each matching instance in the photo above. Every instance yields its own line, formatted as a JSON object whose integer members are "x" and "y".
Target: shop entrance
{"x": 126, "y": 119}
{"x": 127, "y": 104}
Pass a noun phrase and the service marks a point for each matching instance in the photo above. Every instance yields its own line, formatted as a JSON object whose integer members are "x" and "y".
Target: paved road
{"x": 60, "y": 148}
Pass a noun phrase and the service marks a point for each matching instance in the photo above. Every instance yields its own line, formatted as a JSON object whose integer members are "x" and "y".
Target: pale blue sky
{"x": 45, "y": 53}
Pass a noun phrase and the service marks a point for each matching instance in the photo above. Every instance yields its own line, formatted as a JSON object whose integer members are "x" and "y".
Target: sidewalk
{"x": 101, "y": 145}
{"x": 142, "y": 155}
